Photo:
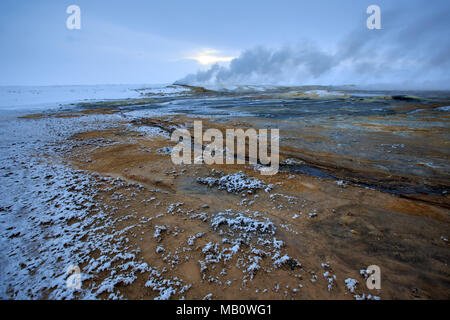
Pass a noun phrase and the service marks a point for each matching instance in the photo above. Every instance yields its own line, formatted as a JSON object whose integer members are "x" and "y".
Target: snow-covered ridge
{"x": 50, "y": 97}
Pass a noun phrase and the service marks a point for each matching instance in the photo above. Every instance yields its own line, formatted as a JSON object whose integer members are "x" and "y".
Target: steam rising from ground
{"x": 411, "y": 50}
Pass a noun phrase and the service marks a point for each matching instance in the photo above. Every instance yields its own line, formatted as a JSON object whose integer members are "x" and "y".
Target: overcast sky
{"x": 161, "y": 41}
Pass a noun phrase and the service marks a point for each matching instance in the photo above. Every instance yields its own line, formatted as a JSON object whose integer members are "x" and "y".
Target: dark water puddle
{"x": 396, "y": 189}
{"x": 306, "y": 170}
{"x": 405, "y": 189}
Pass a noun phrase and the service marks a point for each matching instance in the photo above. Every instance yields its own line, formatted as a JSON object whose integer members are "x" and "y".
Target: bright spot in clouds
{"x": 210, "y": 56}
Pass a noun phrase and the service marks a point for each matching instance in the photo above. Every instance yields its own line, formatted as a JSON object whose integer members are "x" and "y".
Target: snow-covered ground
{"x": 49, "y": 219}
{"x": 50, "y": 97}
{"x": 39, "y": 195}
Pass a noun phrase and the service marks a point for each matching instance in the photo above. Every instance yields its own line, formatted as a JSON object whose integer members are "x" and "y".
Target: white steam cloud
{"x": 409, "y": 52}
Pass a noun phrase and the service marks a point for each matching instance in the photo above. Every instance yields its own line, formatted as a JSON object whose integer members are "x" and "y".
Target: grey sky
{"x": 155, "y": 41}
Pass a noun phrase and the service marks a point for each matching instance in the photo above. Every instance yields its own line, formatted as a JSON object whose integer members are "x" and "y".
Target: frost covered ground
{"x": 53, "y": 216}
{"x": 52, "y": 97}
{"x": 49, "y": 219}
{"x": 98, "y": 190}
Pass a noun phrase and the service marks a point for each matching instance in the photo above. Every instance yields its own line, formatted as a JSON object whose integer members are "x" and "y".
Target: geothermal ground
{"x": 364, "y": 179}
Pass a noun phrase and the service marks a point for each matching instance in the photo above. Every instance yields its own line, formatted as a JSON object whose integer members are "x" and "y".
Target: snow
{"x": 312, "y": 214}
{"x": 162, "y": 90}
{"x": 160, "y": 249}
{"x": 150, "y": 131}
{"x": 366, "y": 297}
{"x": 166, "y": 287}
{"x": 191, "y": 239}
{"x": 208, "y": 296}
{"x": 351, "y": 284}
{"x": 234, "y": 183}
{"x": 158, "y": 231}
{"x": 50, "y": 97}
{"x": 41, "y": 97}
{"x": 237, "y": 229}
{"x": 39, "y": 198}
{"x": 415, "y": 111}
{"x": 242, "y": 223}
{"x": 285, "y": 259}
{"x": 323, "y": 93}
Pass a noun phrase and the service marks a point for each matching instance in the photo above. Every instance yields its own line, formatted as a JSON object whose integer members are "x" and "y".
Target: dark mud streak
{"x": 398, "y": 185}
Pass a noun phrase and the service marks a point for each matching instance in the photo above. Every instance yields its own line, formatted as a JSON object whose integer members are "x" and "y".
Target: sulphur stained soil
{"x": 225, "y": 231}
{"x": 363, "y": 181}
